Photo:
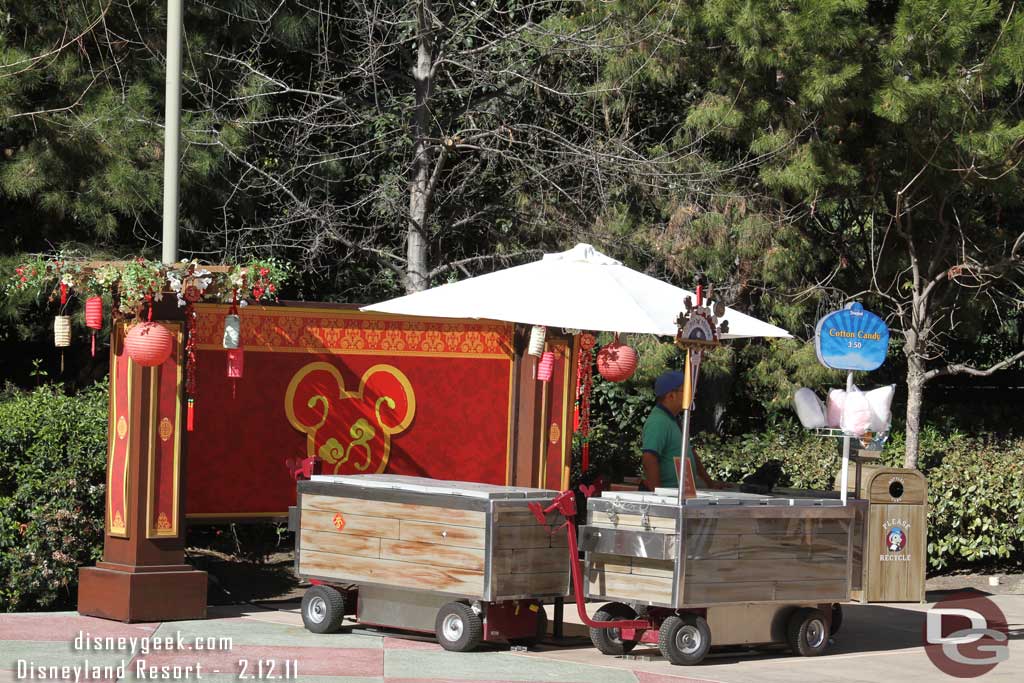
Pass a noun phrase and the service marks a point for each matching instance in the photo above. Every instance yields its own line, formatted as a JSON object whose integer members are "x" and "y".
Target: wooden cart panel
{"x": 733, "y": 554}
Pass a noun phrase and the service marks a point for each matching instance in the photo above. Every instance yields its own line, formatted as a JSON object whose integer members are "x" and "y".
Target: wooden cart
{"x": 728, "y": 569}
{"x": 467, "y": 562}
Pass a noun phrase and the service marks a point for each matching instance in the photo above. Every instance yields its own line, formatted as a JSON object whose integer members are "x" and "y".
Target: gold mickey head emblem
{"x": 122, "y": 427}
{"x": 166, "y": 429}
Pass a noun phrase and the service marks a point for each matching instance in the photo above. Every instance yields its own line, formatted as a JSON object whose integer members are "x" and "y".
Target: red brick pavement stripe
{"x": 48, "y": 627}
{"x": 408, "y": 644}
{"x": 647, "y": 677}
{"x": 312, "y": 661}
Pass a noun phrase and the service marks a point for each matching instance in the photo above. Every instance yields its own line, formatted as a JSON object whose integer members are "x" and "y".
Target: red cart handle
{"x": 565, "y": 504}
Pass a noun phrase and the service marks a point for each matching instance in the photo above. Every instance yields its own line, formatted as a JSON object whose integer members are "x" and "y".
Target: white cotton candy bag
{"x": 809, "y": 408}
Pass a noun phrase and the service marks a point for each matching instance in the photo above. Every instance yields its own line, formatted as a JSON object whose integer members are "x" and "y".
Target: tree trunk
{"x": 915, "y": 401}
{"x": 419, "y": 184}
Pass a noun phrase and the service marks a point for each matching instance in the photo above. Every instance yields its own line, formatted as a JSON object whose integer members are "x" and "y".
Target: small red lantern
{"x": 149, "y": 344}
{"x": 616, "y": 362}
{"x": 94, "y": 317}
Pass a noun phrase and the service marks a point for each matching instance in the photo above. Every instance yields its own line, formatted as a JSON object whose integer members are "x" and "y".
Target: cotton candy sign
{"x": 851, "y": 339}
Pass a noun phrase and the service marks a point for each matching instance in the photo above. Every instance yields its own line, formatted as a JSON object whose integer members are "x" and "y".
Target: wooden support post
{"x": 143, "y": 576}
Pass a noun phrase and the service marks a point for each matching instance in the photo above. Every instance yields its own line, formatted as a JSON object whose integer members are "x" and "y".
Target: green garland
{"x": 140, "y": 281}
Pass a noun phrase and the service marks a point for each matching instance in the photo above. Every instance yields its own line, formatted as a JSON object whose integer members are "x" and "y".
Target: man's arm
{"x": 652, "y": 471}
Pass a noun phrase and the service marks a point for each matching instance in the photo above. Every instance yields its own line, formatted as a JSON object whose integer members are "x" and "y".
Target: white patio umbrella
{"x": 577, "y": 289}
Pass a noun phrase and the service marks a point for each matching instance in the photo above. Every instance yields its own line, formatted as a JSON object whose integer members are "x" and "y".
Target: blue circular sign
{"x": 852, "y": 339}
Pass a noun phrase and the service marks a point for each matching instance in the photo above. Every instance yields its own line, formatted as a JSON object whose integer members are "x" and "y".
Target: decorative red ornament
{"x": 94, "y": 317}
{"x": 149, "y": 344}
{"x": 616, "y": 362}
{"x": 546, "y": 366}
{"x": 584, "y": 381}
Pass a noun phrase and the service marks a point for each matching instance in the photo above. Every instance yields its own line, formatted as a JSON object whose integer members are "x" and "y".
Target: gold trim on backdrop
{"x": 163, "y": 527}
{"x": 568, "y": 406}
{"x": 233, "y": 515}
{"x": 154, "y": 397}
{"x": 542, "y": 436}
{"x": 508, "y": 440}
{"x": 255, "y": 348}
{"x": 122, "y": 530}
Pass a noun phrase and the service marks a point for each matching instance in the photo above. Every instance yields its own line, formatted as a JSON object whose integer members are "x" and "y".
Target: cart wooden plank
{"x": 527, "y": 537}
{"x": 443, "y": 534}
{"x": 530, "y": 560}
{"x": 403, "y": 511}
{"x": 341, "y": 544}
{"x": 629, "y": 586}
{"x": 354, "y": 525}
{"x": 432, "y": 553}
{"x": 350, "y": 568}
{"x": 538, "y": 583}
{"x": 738, "y": 571}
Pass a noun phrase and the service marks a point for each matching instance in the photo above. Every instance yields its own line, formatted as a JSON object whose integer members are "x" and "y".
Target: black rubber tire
{"x": 539, "y": 636}
{"x": 806, "y": 632}
{"x": 837, "y": 619}
{"x": 608, "y": 640}
{"x": 458, "y": 628}
{"x": 323, "y": 609}
{"x": 684, "y": 640}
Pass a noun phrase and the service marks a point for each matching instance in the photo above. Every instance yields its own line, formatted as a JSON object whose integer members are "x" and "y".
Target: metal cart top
{"x": 399, "y": 482}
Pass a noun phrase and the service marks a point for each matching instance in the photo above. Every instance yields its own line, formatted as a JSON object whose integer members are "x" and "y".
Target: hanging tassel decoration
{"x": 584, "y": 382}
{"x": 236, "y": 367}
{"x": 191, "y": 414}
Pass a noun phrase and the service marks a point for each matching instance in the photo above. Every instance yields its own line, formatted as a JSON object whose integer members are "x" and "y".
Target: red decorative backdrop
{"x": 365, "y": 392}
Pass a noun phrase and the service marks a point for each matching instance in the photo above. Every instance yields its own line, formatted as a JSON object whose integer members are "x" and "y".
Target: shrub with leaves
{"x": 52, "y": 473}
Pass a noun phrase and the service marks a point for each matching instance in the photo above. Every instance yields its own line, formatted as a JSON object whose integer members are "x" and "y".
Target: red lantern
{"x": 149, "y": 344}
{"x": 94, "y": 317}
{"x": 616, "y": 362}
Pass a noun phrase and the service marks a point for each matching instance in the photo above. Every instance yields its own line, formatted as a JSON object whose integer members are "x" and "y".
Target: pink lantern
{"x": 616, "y": 362}
{"x": 546, "y": 366}
{"x": 94, "y": 317}
{"x": 149, "y": 344}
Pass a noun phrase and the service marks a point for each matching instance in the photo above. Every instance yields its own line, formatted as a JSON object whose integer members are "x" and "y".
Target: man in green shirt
{"x": 663, "y": 438}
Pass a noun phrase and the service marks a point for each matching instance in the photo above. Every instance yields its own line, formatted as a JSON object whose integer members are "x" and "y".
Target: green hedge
{"x": 52, "y": 471}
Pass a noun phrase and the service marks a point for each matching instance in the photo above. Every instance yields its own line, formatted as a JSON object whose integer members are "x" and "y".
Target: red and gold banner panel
{"x": 121, "y": 379}
{"x": 557, "y": 433}
{"x": 363, "y": 392}
{"x": 165, "y": 441}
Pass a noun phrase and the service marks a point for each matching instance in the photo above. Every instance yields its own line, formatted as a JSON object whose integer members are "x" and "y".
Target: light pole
{"x": 172, "y": 131}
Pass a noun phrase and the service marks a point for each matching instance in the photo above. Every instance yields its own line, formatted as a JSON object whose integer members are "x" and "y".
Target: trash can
{"x": 896, "y": 536}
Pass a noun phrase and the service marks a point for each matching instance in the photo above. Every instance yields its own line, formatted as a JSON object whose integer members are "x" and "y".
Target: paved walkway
{"x": 877, "y": 643}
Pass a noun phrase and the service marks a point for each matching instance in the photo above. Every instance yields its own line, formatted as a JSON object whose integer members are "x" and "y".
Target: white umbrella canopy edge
{"x": 577, "y": 289}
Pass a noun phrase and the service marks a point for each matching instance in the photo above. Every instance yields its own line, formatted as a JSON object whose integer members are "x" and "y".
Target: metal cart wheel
{"x": 323, "y": 608}
{"x": 837, "y": 619}
{"x": 541, "y": 634}
{"x": 806, "y": 632}
{"x": 685, "y": 639}
{"x": 458, "y": 627}
{"x": 609, "y": 640}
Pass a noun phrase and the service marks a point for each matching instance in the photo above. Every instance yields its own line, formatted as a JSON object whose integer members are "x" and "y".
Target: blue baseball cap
{"x": 668, "y": 381}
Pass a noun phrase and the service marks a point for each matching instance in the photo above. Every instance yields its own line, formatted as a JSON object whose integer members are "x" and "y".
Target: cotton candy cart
{"x": 466, "y": 562}
{"x": 723, "y": 569}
